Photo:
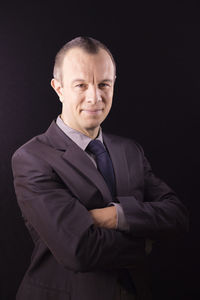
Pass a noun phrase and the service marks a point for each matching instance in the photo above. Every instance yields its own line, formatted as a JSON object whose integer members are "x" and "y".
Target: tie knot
{"x": 96, "y": 147}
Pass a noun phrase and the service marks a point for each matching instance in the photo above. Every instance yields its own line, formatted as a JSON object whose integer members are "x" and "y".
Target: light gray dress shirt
{"x": 82, "y": 141}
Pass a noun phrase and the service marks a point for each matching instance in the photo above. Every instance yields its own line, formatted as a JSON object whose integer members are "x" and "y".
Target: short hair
{"x": 88, "y": 44}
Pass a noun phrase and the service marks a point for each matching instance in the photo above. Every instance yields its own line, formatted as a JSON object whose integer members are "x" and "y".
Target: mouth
{"x": 92, "y": 111}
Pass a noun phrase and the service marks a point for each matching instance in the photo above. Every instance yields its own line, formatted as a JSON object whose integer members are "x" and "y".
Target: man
{"x": 89, "y": 199}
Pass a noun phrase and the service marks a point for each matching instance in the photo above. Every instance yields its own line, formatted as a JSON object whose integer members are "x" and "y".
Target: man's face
{"x": 87, "y": 89}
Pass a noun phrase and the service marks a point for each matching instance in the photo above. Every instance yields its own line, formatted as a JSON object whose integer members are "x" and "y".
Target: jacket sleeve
{"x": 160, "y": 214}
{"x": 64, "y": 224}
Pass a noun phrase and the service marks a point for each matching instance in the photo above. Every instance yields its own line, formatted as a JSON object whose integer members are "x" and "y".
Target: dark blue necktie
{"x": 104, "y": 163}
{"x": 105, "y": 167}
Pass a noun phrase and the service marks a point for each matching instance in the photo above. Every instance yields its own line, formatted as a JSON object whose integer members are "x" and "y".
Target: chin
{"x": 92, "y": 125}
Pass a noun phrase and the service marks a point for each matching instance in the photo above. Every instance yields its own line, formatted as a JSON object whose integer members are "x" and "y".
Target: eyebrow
{"x": 78, "y": 79}
{"x": 82, "y": 80}
{"x": 108, "y": 80}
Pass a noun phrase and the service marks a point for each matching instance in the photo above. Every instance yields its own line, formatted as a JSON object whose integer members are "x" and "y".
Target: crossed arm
{"x": 107, "y": 218}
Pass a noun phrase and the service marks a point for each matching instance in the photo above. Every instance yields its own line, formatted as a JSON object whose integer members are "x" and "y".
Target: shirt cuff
{"x": 122, "y": 224}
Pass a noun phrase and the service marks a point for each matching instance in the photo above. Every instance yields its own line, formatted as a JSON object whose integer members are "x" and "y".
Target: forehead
{"x": 79, "y": 62}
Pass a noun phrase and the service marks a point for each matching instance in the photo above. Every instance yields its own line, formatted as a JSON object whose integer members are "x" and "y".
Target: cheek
{"x": 72, "y": 101}
{"x": 109, "y": 99}
{"x": 109, "y": 95}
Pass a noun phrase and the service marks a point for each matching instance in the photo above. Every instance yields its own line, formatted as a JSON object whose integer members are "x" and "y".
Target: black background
{"x": 157, "y": 49}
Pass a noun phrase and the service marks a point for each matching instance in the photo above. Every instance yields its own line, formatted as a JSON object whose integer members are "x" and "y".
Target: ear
{"x": 56, "y": 85}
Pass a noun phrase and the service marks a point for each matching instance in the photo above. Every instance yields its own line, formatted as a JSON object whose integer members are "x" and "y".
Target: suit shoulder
{"x": 32, "y": 146}
{"x": 31, "y": 157}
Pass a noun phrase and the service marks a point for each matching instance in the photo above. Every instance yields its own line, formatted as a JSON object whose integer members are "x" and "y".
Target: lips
{"x": 92, "y": 111}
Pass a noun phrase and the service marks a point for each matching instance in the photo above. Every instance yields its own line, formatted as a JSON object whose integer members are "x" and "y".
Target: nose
{"x": 93, "y": 95}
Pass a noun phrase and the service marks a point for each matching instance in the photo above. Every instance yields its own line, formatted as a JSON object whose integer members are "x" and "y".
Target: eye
{"x": 81, "y": 85}
{"x": 103, "y": 85}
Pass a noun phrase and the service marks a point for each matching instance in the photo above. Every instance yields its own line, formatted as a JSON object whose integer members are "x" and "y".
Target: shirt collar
{"x": 76, "y": 136}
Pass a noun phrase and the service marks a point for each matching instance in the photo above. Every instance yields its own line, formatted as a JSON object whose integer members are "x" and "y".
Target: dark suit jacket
{"x": 56, "y": 184}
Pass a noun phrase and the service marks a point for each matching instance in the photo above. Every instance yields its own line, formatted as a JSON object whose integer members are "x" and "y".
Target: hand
{"x": 105, "y": 217}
